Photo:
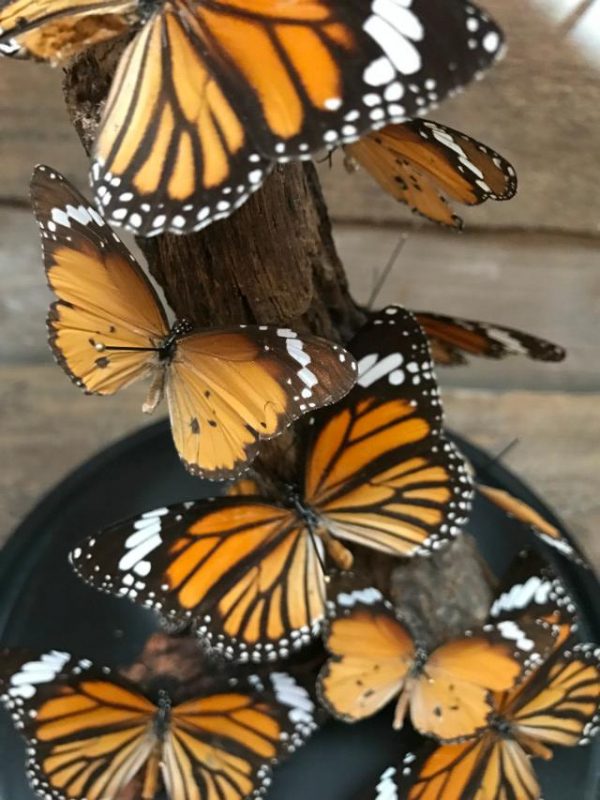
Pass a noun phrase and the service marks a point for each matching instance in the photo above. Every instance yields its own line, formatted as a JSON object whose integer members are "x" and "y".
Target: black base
{"x": 43, "y": 605}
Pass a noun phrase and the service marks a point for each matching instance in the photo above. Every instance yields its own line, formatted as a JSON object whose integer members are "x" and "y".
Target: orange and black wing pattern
{"x": 91, "y": 734}
{"x": 527, "y": 516}
{"x": 194, "y": 120}
{"x": 559, "y": 703}
{"x": 379, "y": 470}
{"x": 425, "y": 165}
{"x": 230, "y": 388}
{"x": 88, "y": 735}
{"x": 244, "y": 573}
{"x": 453, "y": 340}
{"x": 107, "y": 318}
{"x": 485, "y": 768}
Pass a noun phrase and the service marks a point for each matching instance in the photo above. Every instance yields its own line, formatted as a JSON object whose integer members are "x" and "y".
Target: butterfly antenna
{"x": 574, "y": 18}
{"x": 499, "y": 456}
{"x": 379, "y": 283}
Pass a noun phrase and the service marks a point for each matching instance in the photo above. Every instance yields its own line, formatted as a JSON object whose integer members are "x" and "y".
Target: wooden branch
{"x": 274, "y": 261}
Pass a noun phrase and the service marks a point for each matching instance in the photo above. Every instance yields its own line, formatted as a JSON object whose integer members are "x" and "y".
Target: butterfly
{"x": 423, "y": 163}
{"x": 195, "y": 119}
{"x": 453, "y": 339}
{"x": 91, "y": 732}
{"x": 523, "y": 513}
{"x": 249, "y": 572}
{"x": 530, "y": 590}
{"x": 559, "y": 705}
{"x": 226, "y": 388}
{"x": 376, "y": 659}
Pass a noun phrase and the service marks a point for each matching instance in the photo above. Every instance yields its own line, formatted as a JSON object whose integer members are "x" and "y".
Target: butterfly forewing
{"x": 372, "y": 654}
{"x": 244, "y": 573}
{"x": 423, "y": 164}
{"x": 379, "y": 469}
{"x": 453, "y": 340}
{"x": 230, "y": 388}
{"x": 104, "y": 299}
{"x": 88, "y": 736}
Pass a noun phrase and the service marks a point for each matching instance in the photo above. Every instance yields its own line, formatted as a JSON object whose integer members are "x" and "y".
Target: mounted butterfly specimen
{"x": 542, "y": 528}
{"x": 195, "y": 121}
{"x": 558, "y": 705}
{"x": 90, "y": 733}
{"x": 453, "y": 340}
{"x": 226, "y": 388}
{"x": 249, "y": 572}
{"x": 376, "y": 659}
{"x": 425, "y": 164}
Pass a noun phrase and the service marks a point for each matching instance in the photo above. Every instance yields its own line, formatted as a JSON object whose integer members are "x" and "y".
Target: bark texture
{"x": 274, "y": 261}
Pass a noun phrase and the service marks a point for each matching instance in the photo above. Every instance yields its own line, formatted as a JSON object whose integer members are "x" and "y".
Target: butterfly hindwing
{"x": 424, "y": 164}
{"x": 379, "y": 468}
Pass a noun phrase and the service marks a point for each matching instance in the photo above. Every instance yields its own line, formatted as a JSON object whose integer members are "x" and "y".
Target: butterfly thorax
{"x": 166, "y": 347}
{"x": 294, "y": 499}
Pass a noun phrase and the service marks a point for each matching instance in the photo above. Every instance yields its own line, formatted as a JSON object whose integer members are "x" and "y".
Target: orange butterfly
{"x": 559, "y": 704}
{"x": 249, "y": 572}
{"x": 91, "y": 733}
{"x": 375, "y": 659}
{"x": 453, "y": 339}
{"x": 226, "y": 388}
{"x": 532, "y": 519}
{"x": 195, "y": 118}
{"x": 422, "y": 163}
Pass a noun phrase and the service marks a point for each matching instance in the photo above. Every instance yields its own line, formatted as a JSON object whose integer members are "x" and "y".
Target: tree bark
{"x": 274, "y": 261}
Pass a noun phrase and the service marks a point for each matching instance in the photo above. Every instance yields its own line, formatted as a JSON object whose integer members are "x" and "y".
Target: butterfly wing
{"x": 88, "y": 733}
{"x": 530, "y": 590}
{"x": 560, "y": 703}
{"x": 379, "y": 469}
{"x": 372, "y": 653}
{"x": 228, "y": 389}
{"x": 224, "y": 745}
{"x": 183, "y": 154}
{"x": 532, "y": 519}
{"x": 423, "y": 163}
{"x": 452, "y": 698}
{"x": 57, "y": 30}
{"x": 486, "y": 768}
{"x": 244, "y": 573}
{"x": 104, "y": 299}
{"x": 453, "y": 339}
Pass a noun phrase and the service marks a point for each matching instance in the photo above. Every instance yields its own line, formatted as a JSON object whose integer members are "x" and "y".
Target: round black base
{"x": 43, "y": 605}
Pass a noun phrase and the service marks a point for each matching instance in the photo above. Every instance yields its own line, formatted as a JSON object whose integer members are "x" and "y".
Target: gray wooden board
{"x": 540, "y": 107}
{"x": 49, "y": 427}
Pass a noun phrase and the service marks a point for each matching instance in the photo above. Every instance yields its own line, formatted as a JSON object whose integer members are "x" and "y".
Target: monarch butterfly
{"x": 208, "y": 95}
{"x": 248, "y": 572}
{"x": 90, "y": 733}
{"x": 528, "y": 516}
{"x": 422, "y": 163}
{"x": 226, "y": 388}
{"x": 558, "y": 705}
{"x": 531, "y": 590}
{"x": 453, "y": 339}
{"x": 375, "y": 659}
